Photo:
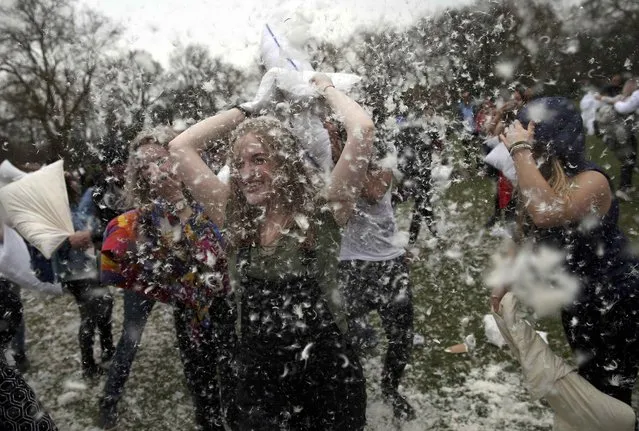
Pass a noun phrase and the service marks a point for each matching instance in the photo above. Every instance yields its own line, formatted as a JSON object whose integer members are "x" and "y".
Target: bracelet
{"x": 521, "y": 145}
{"x": 243, "y": 110}
{"x": 323, "y": 92}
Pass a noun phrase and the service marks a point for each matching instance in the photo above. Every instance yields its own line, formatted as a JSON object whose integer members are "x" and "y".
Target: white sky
{"x": 232, "y": 28}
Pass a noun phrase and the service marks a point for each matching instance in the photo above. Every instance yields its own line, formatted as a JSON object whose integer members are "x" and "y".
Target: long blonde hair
{"x": 137, "y": 191}
{"x": 553, "y": 171}
{"x": 292, "y": 176}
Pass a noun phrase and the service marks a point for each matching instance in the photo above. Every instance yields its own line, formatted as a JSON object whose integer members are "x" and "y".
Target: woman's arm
{"x": 376, "y": 184}
{"x": 589, "y": 193}
{"x": 185, "y": 149}
{"x": 348, "y": 175}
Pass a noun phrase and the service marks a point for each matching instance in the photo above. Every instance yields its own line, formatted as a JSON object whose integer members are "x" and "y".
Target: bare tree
{"x": 201, "y": 84}
{"x": 49, "y": 54}
{"x": 126, "y": 90}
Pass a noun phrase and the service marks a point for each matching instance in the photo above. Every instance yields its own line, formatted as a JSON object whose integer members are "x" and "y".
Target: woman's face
{"x": 253, "y": 168}
{"x": 155, "y": 167}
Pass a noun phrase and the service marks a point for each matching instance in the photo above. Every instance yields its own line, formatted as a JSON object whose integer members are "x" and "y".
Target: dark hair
{"x": 559, "y": 131}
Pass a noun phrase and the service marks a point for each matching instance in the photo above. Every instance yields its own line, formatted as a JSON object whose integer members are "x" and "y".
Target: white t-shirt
{"x": 628, "y": 105}
{"x": 371, "y": 232}
{"x": 588, "y": 106}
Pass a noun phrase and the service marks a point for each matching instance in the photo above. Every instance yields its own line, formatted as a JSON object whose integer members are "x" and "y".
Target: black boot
{"x": 401, "y": 407}
{"x": 108, "y": 418}
{"x": 22, "y": 362}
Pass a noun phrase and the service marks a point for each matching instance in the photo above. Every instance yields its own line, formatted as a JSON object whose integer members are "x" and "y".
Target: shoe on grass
{"x": 402, "y": 409}
{"x": 108, "y": 418}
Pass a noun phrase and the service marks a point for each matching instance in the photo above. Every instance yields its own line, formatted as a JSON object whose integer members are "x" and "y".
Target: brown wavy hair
{"x": 295, "y": 182}
{"x": 137, "y": 191}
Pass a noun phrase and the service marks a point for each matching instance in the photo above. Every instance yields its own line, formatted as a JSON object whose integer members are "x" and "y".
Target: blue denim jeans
{"x": 136, "y": 311}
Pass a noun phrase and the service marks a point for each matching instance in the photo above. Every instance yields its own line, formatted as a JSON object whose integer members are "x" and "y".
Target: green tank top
{"x": 287, "y": 259}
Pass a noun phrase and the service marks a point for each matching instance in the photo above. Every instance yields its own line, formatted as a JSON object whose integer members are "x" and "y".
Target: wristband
{"x": 521, "y": 145}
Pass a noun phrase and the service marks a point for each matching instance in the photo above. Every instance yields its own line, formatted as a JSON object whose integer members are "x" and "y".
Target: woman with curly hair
{"x": 295, "y": 369}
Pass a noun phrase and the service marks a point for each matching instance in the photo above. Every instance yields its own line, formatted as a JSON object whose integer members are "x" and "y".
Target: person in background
{"x": 167, "y": 250}
{"x": 374, "y": 275}
{"x": 17, "y": 279}
{"x": 622, "y": 136}
{"x": 416, "y": 143}
{"x": 614, "y": 87}
{"x": 75, "y": 265}
{"x": 466, "y": 111}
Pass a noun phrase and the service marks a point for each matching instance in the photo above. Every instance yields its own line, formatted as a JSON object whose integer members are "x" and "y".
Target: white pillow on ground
{"x": 37, "y": 206}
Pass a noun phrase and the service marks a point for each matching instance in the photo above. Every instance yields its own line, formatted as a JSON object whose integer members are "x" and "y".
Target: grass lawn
{"x": 481, "y": 390}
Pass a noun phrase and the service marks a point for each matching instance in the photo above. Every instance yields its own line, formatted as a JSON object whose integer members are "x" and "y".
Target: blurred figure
{"x": 415, "y": 145}
{"x": 75, "y": 265}
{"x": 19, "y": 407}
{"x": 616, "y": 120}
{"x": 466, "y": 112}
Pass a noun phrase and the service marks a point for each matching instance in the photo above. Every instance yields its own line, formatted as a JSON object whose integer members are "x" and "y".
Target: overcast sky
{"x": 233, "y": 28}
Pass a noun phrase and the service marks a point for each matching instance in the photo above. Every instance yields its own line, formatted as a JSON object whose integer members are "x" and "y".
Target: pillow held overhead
{"x": 277, "y": 51}
{"x": 37, "y": 206}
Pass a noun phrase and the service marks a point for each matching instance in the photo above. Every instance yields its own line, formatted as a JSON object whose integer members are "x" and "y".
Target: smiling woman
{"x": 295, "y": 369}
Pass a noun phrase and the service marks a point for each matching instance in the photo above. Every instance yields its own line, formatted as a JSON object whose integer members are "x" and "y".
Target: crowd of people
{"x": 273, "y": 269}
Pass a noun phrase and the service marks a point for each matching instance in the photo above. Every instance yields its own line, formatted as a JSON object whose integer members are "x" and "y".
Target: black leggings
{"x": 96, "y": 305}
{"x": 384, "y": 287}
{"x": 206, "y": 363}
{"x": 628, "y": 159}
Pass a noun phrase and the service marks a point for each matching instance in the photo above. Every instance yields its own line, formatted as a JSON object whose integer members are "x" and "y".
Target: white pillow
{"x": 297, "y": 83}
{"x": 277, "y": 51}
{"x": 9, "y": 173}
{"x": 292, "y": 73}
{"x": 499, "y": 157}
{"x": 37, "y": 206}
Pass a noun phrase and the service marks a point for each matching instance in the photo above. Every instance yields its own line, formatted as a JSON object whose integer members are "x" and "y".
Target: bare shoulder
{"x": 593, "y": 187}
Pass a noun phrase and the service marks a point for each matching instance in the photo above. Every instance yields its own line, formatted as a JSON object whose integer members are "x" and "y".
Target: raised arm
{"x": 347, "y": 177}
{"x": 202, "y": 182}
{"x": 589, "y": 194}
